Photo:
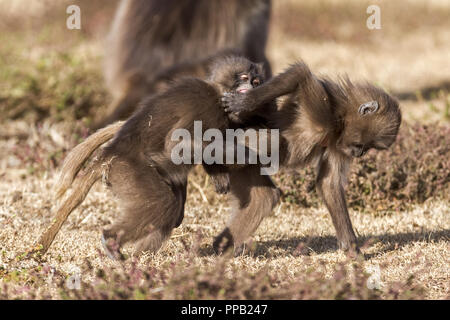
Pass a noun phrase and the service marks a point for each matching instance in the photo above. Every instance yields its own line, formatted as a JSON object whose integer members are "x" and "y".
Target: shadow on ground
{"x": 321, "y": 244}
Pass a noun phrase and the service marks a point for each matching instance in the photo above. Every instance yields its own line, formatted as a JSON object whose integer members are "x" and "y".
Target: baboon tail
{"x": 80, "y": 190}
{"x": 78, "y": 156}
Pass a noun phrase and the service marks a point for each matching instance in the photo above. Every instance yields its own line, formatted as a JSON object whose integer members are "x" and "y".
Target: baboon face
{"x": 237, "y": 74}
{"x": 372, "y": 122}
{"x": 247, "y": 80}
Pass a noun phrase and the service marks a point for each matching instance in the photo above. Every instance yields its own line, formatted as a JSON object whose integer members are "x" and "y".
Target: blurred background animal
{"x": 149, "y": 36}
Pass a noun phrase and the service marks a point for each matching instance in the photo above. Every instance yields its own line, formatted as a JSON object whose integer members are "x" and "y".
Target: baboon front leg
{"x": 254, "y": 197}
{"x": 330, "y": 185}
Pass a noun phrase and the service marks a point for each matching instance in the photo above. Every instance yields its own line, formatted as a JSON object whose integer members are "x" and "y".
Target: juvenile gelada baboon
{"x": 148, "y": 36}
{"x": 327, "y": 123}
{"x": 138, "y": 167}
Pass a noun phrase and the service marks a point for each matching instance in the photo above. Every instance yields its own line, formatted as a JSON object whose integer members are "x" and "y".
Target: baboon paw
{"x": 351, "y": 249}
{"x": 233, "y": 102}
{"x": 240, "y": 250}
{"x": 222, "y": 184}
{"x": 222, "y": 189}
{"x": 223, "y": 241}
{"x": 354, "y": 252}
{"x": 111, "y": 248}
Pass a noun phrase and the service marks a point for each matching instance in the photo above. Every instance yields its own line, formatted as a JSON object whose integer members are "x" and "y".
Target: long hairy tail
{"x": 78, "y": 156}
{"x": 81, "y": 188}
{"x": 72, "y": 165}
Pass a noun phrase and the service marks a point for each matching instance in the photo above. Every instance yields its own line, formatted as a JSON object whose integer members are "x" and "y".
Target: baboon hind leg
{"x": 151, "y": 208}
{"x": 154, "y": 240}
{"x": 254, "y": 196}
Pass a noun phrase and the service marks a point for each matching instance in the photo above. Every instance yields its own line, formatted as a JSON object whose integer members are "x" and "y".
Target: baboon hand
{"x": 221, "y": 183}
{"x": 235, "y": 103}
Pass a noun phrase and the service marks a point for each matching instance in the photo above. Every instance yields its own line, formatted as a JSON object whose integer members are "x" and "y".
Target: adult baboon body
{"x": 148, "y": 36}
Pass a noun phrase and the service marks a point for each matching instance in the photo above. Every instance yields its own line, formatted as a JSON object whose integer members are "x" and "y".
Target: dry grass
{"x": 408, "y": 54}
{"x": 413, "y": 242}
{"x": 56, "y": 80}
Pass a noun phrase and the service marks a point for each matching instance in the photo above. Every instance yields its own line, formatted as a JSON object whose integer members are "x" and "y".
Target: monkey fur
{"x": 150, "y": 36}
{"x": 326, "y": 123}
{"x": 137, "y": 163}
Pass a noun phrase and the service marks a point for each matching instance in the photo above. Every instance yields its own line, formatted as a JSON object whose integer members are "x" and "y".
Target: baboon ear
{"x": 368, "y": 108}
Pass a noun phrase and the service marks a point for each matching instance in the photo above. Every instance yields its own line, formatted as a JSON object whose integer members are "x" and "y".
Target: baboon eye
{"x": 244, "y": 77}
{"x": 256, "y": 82}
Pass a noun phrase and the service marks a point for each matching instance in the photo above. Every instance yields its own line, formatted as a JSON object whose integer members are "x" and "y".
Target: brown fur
{"x": 323, "y": 122}
{"x": 253, "y": 197}
{"x": 150, "y": 36}
{"x": 137, "y": 163}
{"x": 76, "y": 158}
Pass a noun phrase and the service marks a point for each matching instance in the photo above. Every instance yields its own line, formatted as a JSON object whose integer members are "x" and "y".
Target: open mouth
{"x": 242, "y": 90}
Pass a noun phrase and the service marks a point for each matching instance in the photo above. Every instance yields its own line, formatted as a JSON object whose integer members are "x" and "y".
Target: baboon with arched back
{"x": 148, "y": 36}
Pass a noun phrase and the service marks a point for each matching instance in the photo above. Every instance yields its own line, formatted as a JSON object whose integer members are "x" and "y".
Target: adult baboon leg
{"x": 254, "y": 197}
{"x": 331, "y": 176}
{"x": 151, "y": 208}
